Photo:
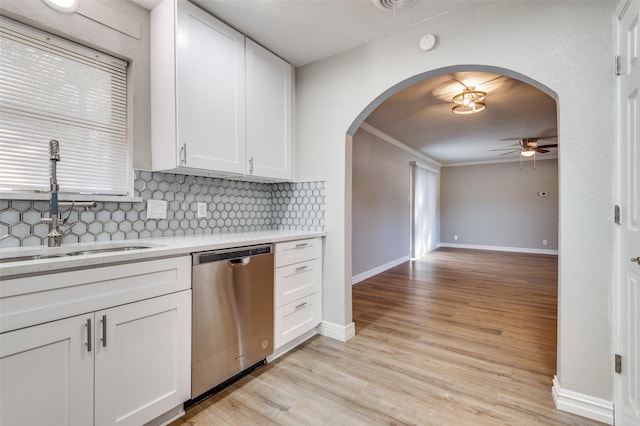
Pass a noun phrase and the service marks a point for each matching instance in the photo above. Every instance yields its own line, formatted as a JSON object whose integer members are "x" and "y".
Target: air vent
{"x": 392, "y": 4}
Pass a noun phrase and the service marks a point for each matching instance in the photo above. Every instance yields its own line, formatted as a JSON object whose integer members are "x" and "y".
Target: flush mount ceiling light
{"x": 469, "y": 101}
{"x": 392, "y": 4}
{"x": 65, "y": 6}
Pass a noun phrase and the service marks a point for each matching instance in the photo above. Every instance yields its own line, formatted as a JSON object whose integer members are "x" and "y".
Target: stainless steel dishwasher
{"x": 232, "y": 325}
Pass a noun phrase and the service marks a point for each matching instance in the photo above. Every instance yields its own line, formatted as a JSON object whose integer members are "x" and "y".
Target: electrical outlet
{"x": 455, "y": 238}
{"x": 202, "y": 210}
{"x": 544, "y": 242}
{"x": 156, "y": 209}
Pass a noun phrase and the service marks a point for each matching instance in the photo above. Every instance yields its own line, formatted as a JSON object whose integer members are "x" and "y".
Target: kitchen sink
{"x": 105, "y": 250}
{"x": 41, "y": 253}
{"x": 32, "y": 257}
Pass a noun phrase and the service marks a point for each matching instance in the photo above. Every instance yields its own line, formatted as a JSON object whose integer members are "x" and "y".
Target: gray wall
{"x": 381, "y": 213}
{"x": 498, "y": 205}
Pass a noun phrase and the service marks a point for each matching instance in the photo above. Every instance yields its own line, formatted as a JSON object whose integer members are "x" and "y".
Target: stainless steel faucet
{"x": 55, "y": 219}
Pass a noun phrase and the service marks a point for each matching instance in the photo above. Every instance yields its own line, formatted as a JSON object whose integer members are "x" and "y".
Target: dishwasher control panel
{"x": 234, "y": 253}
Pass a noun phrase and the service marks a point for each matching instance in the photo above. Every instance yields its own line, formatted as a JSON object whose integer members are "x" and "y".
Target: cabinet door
{"x": 210, "y": 92}
{"x": 46, "y": 374}
{"x": 269, "y": 92}
{"x": 143, "y": 368}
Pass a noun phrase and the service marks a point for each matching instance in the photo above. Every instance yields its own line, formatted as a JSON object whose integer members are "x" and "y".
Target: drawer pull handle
{"x": 104, "y": 331}
{"x": 300, "y": 305}
{"x": 301, "y": 245}
{"x": 88, "y": 334}
{"x": 301, "y": 268}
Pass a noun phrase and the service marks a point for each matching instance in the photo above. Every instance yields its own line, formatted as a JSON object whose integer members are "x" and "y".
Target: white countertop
{"x": 158, "y": 247}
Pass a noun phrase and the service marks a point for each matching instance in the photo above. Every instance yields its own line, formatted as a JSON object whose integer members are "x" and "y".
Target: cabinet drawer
{"x": 297, "y": 318}
{"x": 298, "y": 251}
{"x": 296, "y": 281}
{"x": 41, "y": 298}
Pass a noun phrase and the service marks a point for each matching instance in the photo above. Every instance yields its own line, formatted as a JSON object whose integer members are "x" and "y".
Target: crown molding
{"x": 385, "y": 137}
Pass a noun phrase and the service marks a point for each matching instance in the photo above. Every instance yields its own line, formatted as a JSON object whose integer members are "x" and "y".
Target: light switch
{"x": 156, "y": 209}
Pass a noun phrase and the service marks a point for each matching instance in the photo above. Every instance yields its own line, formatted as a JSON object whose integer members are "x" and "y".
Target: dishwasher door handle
{"x": 236, "y": 263}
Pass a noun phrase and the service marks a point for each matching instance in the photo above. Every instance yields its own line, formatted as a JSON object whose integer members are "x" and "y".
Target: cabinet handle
{"x": 104, "y": 331}
{"x": 183, "y": 154}
{"x": 89, "y": 334}
{"x": 301, "y": 245}
{"x": 300, "y": 305}
{"x": 251, "y": 165}
{"x": 301, "y": 268}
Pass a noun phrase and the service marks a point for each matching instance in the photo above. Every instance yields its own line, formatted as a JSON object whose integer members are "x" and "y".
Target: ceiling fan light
{"x": 469, "y": 101}
{"x": 528, "y": 153}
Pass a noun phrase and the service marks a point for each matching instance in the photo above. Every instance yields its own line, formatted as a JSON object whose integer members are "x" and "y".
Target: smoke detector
{"x": 392, "y": 4}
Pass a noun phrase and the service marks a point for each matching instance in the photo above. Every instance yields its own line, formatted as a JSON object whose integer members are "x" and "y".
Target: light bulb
{"x": 65, "y": 6}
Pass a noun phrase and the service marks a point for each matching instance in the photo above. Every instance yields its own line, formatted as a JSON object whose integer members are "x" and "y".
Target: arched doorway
{"x": 481, "y": 158}
{"x": 378, "y": 186}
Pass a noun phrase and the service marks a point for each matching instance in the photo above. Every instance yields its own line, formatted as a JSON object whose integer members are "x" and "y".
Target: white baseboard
{"x": 338, "y": 332}
{"x": 581, "y": 404}
{"x": 375, "y": 271}
{"x": 499, "y": 248}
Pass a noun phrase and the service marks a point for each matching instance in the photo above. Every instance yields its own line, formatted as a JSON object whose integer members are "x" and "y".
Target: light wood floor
{"x": 460, "y": 337}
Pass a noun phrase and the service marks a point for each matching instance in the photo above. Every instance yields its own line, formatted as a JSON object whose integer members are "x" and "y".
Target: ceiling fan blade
{"x": 551, "y": 145}
{"x": 512, "y": 152}
{"x": 542, "y": 151}
{"x": 506, "y": 149}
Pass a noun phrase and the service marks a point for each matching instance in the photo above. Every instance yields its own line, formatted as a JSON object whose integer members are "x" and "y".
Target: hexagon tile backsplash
{"x": 232, "y": 206}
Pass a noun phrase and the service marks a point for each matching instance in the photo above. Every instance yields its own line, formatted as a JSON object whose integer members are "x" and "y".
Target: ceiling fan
{"x": 528, "y": 147}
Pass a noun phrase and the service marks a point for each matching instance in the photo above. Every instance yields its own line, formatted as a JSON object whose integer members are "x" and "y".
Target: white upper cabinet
{"x": 220, "y": 104}
{"x": 210, "y": 92}
{"x": 268, "y": 101}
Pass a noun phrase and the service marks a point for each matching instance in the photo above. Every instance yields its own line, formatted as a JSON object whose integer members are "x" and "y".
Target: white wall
{"x": 498, "y": 205}
{"x": 566, "y": 49}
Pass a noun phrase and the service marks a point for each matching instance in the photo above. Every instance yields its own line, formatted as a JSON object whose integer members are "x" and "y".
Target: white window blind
{"x": 424, "y": 237}
{"x": 51, "y": 88}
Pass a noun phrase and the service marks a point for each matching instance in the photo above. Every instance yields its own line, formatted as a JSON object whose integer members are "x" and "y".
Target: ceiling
{"x": 420, "y": 117}
{"x": 306, "y": 31}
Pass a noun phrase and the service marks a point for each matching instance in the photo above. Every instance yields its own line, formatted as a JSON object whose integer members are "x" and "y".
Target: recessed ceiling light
{"x": 392, "y": 4}
{"x": 65, "y": 6}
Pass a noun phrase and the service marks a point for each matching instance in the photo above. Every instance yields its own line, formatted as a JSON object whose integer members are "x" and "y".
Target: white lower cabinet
{"x": 46, "y": 374}
{"x": 296, "y": 318}
{"x": 125, "y": 365}
{"x": 298, "y": 289}
{"x": 142, "y": 359}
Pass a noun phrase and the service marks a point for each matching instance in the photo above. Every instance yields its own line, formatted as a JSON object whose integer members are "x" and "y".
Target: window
{"x": 51, "y": 88}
